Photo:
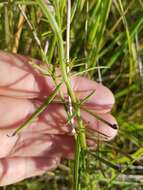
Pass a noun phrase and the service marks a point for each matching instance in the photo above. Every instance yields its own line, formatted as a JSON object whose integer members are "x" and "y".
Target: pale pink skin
{"x": 41, "y": 146}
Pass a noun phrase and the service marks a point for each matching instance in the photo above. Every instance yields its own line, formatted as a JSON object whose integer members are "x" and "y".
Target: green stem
{"x": 38, "y": 111}
{"x": 80, "y": 138}
{"x": 58, "y": 33}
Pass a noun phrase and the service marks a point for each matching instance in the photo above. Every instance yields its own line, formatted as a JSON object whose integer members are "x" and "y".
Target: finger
{"x": 41, "y": 145}
{"x": 52, "y": 121}
{"x": 99, "y": 128}
{"x": 14, "y": 112}
{"x": 101, "y": 101}
{"x": 13, "y": 170}
{"x": 19, "y": 79}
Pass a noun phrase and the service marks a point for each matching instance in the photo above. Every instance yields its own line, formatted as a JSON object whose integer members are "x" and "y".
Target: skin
{"x": 41, "y": 146}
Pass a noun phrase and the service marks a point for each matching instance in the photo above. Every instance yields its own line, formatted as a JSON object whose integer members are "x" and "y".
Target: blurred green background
{"x": 107, "y": 34}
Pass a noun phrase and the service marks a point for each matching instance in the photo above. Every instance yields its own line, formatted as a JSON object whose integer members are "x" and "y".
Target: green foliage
{"x": 105, "y": 34}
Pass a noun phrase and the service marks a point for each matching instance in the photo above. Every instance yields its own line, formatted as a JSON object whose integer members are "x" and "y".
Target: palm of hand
{"x": 41, "y": 146}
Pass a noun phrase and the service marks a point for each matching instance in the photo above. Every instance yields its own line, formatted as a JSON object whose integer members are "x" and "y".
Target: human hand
{"x": 40, "y": 147}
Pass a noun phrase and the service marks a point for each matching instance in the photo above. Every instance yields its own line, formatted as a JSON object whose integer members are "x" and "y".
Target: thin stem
{"x": 7, "y": 27}
{"x": 34, "y": 33}
{"x": 139, "y": 60}
{"x": 30, "y": 26}
{"x": 19, "y": 30}
{"x": 68, "y": 58}
{"x": 80, "y": 138}
{"x": 68, "y": 34}
{"x": 38, "y": 111}
{"x": 58, "y": 32}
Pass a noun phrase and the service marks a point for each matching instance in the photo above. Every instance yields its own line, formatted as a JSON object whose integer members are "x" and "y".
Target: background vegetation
{"x": 106, "y": 34}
